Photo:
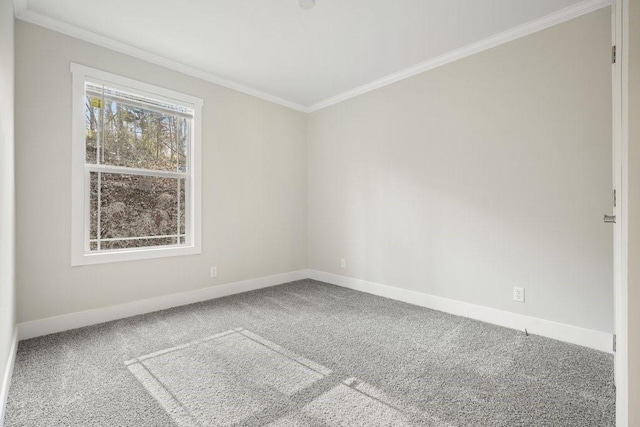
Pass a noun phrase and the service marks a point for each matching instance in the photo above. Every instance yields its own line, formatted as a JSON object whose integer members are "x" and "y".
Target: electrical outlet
{"x": 518, "y": 294}
{"x": 343, "y": 263}
{"x": 214, "y": 271}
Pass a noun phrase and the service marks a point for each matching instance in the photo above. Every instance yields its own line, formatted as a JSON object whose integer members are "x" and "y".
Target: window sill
{"x": 132, "y": 255}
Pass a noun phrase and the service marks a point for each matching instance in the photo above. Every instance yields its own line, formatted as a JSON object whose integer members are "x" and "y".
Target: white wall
{"x": 487, "y": 173}
{"x": 7, "y": 205}
{"x": 254, "y": 185}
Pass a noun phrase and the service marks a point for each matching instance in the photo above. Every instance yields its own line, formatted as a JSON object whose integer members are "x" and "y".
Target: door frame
{"x": 620, "y": 146}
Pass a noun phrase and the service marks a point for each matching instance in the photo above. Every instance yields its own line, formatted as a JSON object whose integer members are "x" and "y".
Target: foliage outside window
{"x": 140, "y": 176}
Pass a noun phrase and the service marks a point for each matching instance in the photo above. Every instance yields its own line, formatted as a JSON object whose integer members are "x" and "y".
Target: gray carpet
{"x": 307, "y": 354}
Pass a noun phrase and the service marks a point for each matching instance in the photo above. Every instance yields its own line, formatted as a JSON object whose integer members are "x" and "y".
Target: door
{"x": 618, "y": 216}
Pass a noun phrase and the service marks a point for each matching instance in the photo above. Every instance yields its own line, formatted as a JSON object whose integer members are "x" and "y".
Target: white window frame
{"x": 80, "y": 254}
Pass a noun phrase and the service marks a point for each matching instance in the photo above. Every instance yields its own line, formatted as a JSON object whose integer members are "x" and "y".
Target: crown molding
{"x": 555, "y": 18}
{"x": 24, "y": 14}
{"x": 586, "y": 6}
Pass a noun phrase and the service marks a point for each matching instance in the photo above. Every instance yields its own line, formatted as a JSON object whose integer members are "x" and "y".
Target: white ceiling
{"x": 294, "y": 56}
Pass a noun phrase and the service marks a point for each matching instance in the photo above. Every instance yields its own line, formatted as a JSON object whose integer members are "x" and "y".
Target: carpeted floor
{"x": 307, "y": 354}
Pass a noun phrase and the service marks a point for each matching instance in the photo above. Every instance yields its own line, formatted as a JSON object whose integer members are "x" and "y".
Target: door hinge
{"x": 615, "y": 198}
{"x": 614, "y": 343}
{"x": 613, "y": 54}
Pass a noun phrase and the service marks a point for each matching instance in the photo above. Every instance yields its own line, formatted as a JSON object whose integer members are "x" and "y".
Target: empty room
{"x": 320, "y": 213}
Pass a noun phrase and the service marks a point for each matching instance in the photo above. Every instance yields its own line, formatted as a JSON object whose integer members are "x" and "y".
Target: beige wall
{"x": 254, "y": 185}
{"x": 487, "y": 173}
{"x": 634, "y": 213}
{"x": 7, "y": 205}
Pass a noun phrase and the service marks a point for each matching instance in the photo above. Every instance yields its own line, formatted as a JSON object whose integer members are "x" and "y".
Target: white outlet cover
{"x": 343, "y": 263}
{"x": 518, "y": 294}
{"x": 214, "y": 271}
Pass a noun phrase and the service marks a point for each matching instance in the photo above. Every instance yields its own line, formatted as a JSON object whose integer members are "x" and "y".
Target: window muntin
{"x": 140, "y": 185}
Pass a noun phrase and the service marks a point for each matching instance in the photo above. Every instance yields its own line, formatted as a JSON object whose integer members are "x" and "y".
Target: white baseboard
{"x": 560, "y": 331}
{"x": 80, "y": 319}
{"x": 8, "y": 372}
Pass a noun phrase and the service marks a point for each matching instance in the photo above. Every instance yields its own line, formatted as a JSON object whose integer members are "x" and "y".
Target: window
{"x": 136, "y": 169}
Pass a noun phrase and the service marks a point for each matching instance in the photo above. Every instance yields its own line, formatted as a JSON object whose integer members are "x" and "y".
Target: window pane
{"x": 93, "y": 210}
{"x": 92, "y": 121}
{"x": 182, "y": 206}
{"x": 127, "y": 206}
{"x": 123, "y": 132}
